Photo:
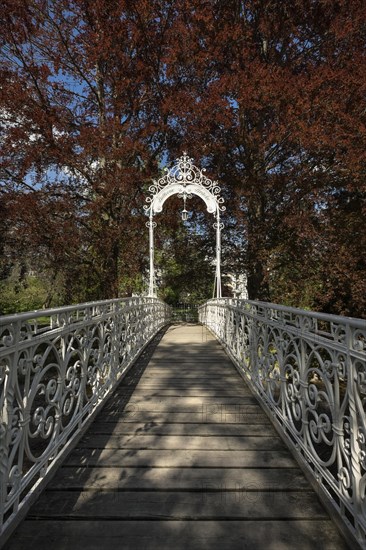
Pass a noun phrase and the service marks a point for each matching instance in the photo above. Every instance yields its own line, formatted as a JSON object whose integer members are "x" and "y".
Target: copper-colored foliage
{"x": 268, "y": 95}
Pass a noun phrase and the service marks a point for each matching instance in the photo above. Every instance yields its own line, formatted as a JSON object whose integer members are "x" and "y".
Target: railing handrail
{"x": 308, "y": 370}
{"x": 54, "y": 377}
{"x": 48, "y": 312}
{"x": 341, "y": 319}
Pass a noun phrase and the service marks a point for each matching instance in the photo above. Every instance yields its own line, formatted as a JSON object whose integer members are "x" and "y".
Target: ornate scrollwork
{"x": 310, "y": 371}
{"x": 185, "y": 180}
{"x": 184, "y": 174}
{"x": 7, "y": 336}
{"x": 54, "y": 371}
{"x": 151, "y": 224}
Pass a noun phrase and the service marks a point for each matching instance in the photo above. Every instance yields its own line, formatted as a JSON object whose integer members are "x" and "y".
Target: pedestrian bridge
{"x": 244, "y": 431}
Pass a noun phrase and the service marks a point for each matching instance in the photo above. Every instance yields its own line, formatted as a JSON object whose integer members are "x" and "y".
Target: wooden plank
{"x": 221, "y": 416}
{"x": 192, "y": 373}
{"x": 187, "y": 377}
{"x": 238, "y": 504}
{"x": 189, "y": 401}
{"x": 199, "y": 367}
{"x": 183, "y": 479}
{"x": 201, "y": 362}
{"x": 180, "y": 535}
{"x": 152, "y": 385}
{"x": 169, "y": 408}
{"x": 119, "y": 427}
{"x": 183, "y": 459}
{"x": 185, "y": 391}
{"x": 183, "y": 404}
{"x": 178, "y": 442}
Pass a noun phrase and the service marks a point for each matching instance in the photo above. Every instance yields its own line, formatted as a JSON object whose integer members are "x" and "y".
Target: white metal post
{"x": 218, "y": 254}
{"x": 152, "y": 291}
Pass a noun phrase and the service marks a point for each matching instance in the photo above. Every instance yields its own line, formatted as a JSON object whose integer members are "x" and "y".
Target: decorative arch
{"x": 184, "y": 179}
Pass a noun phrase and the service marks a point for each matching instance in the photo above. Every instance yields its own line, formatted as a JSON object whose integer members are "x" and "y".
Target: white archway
{"x": 185, "y": 180}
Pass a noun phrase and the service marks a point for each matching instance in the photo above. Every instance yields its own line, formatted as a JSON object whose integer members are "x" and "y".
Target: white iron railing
{"x": 57, "y": 368}
{"x": 309, "y": 371}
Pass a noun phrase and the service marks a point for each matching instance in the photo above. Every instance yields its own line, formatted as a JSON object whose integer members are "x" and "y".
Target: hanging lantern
{"x": 184, "y": 211}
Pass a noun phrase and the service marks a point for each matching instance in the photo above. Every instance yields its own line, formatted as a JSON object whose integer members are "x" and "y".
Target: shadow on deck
{"x": 181, "y": 456}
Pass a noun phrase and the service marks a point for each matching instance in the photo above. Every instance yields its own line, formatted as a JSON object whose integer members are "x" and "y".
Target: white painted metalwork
{"x": 185, "y": 180}
{"x": 57, "y": 367}
{"x": 309, "y": 371}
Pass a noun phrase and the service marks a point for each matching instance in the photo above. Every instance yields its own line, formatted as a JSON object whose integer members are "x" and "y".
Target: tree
{"x": 273, "y": 103}
{"x": 268, "y": 94}
{"x": 80, "y": 101}
{"x": 185, "y": 252}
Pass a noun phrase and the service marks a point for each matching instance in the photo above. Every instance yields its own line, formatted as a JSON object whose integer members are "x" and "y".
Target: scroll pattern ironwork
{"x": 185, "y": 180}
{"x": 185, "y": 172}
{"x": 309, "y": 371}
{"x": 57, "y": 367}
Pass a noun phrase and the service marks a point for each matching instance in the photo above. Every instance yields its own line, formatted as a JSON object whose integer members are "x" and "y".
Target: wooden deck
{"x": 181, "y": 457}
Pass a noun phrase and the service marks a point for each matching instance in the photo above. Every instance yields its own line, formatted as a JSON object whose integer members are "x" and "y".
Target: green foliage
{"x": 31, "y": 292}
{"x": 186, "y": 267}
{"x": 131, "y": 284}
